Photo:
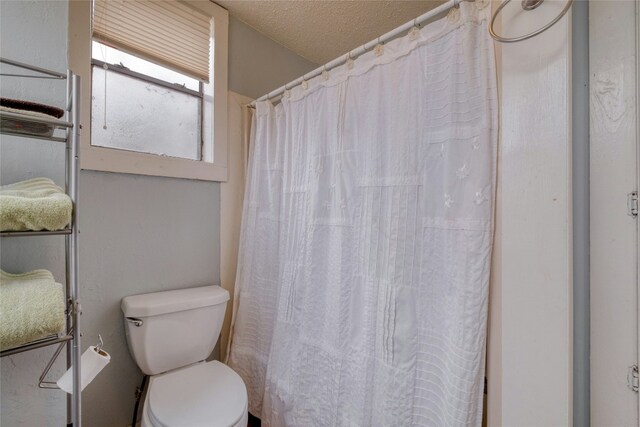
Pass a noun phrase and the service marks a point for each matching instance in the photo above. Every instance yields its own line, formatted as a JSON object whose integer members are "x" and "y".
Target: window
{"x": 140, "y": 106}
{"x": 158, "y": 86}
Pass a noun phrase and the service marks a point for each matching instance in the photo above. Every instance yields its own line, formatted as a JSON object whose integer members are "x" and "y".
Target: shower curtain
{"x": 366, "y": 239}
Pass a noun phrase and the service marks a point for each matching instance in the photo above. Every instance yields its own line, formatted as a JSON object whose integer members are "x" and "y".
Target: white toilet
{"x": 170, "y": 334}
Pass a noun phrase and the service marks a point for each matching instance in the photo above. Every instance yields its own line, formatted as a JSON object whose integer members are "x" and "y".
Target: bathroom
{"x": 559, "y": 323}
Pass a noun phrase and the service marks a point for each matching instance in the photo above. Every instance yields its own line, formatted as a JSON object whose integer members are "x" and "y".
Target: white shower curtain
{"x": 366, "y": 239}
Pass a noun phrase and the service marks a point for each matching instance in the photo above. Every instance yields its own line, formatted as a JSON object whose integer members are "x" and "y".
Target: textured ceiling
{"x": 323, "y": 30}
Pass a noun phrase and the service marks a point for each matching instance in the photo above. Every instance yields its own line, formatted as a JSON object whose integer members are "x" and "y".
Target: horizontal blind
{"x": 170, "y": 33}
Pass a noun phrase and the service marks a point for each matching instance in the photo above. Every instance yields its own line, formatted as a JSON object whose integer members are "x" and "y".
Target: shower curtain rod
{"x": 362, "y": 49}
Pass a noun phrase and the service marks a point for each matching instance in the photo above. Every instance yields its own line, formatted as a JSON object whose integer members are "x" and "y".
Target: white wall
{"x": 22, "y": 403}
{"x": 141, "y": 234}
{"x": 250, "y": 51}
{"x": 138, "y": 234}
{"x": 530, "y": 354}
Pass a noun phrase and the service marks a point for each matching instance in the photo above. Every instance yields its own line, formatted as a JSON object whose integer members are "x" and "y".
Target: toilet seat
{"x": 202, "y": 395}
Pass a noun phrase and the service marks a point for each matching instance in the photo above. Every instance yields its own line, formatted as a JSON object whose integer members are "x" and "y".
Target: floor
{"x": 253, "y": 421}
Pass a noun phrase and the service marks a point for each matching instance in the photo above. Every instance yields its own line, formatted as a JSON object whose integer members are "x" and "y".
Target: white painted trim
{"x": 122, "y": 161}
{"x": 231, "y": 199}
{"x": 529, "y": 364}
{"x": 493, "y": 404}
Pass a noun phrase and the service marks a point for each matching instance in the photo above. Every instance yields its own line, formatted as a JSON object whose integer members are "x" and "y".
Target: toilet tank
{"x": 171, "y": 329}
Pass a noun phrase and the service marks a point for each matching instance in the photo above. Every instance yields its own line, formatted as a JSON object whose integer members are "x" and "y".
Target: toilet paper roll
{"x": 93, "y": 361}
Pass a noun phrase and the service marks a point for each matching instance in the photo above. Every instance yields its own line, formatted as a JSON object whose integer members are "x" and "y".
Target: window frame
{"x": 125, "y": 161}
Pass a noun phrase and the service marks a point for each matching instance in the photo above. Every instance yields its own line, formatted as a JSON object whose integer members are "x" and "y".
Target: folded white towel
{"x": 32, "y": 306}
{"x": 34, "y": 204}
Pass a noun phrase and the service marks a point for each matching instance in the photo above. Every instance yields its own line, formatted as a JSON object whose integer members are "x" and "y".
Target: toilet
{"x": 170, "y": 334}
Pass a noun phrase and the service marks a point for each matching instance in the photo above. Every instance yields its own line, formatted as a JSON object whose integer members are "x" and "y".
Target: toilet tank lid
{"x": 157, "y": 303}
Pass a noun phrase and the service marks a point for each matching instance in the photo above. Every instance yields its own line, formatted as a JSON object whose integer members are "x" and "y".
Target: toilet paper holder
{"x": 42, "y": 383}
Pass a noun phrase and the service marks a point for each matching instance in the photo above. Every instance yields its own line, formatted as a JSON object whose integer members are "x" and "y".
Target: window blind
{"x": 170, "y": 33}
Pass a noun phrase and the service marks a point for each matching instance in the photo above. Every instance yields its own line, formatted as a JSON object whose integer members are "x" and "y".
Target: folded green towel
{"x": 32, "y": 306}
{"x": 34, "y": 204}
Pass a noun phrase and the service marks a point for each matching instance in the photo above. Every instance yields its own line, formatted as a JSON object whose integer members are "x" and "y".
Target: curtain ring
{"x": 325, "y": 73}
{"x": 378, "y": 50}
{"x": 349, "y": 62}
{"x": 414, "y": 32}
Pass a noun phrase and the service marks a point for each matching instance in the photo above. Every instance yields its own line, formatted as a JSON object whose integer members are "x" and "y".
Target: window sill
{"x": 120, "y": 161}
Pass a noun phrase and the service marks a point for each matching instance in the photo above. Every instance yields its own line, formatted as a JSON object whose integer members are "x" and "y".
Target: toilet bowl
{"x": 204, "y": 394}
{"x": 170, "y": 335}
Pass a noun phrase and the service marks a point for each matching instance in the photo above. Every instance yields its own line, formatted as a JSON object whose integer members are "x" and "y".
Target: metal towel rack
{"x": 67, "y": 131}
{"x": 527, "y": 5}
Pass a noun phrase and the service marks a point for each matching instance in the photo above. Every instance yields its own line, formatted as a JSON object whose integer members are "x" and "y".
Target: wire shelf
{"x": 29, "y": 233}
{"x": 44, "y": 342}
{"x": 26, "y": 125}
